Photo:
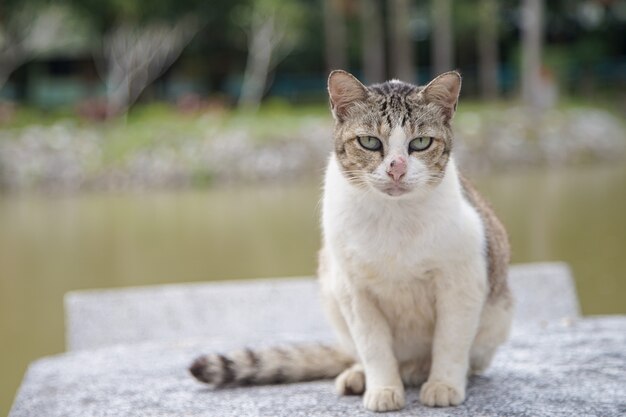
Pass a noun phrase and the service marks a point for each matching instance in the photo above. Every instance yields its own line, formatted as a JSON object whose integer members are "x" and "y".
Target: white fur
{"x": 405, "y": 283}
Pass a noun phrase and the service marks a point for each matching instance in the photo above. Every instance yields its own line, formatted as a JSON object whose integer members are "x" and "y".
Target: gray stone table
{"x": 255, "y": 309}
{"x": 129, "y": 350}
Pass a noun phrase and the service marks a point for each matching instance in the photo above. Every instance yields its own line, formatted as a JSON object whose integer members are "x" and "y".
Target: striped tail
{"x": 271, "y": 366}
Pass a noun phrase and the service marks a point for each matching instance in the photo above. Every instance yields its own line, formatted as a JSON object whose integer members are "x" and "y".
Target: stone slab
{"x": 264, "y": 307}
{"x": 544, "y": 292}
{"x": 568, "y": 369}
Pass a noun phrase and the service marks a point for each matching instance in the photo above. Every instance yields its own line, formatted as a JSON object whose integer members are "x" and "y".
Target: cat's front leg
{"x": 460, "y": 295}
{"x": 374, "y": 344}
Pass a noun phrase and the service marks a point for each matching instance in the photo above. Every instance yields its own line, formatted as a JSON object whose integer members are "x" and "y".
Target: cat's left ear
{"x": 344, "y": 91}
{"x": 444, "y": 90}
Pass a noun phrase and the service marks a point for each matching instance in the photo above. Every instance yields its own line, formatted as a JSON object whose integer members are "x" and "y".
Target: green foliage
{"x": 28, "y": 116}
{"x": 219, "y": 49}
{"x": 104, "y": 14}
{"x": 150, "y": 126}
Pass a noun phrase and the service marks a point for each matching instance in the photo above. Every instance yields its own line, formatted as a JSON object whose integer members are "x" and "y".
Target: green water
{"x": 50, "y": 245}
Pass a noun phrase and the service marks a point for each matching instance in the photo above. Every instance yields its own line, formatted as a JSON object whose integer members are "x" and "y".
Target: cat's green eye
{"x": 420, "y": 144}
{"x": 370, "y": 142}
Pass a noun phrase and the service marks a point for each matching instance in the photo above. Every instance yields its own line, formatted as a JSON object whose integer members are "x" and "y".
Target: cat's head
{"x": 393, "y": 137}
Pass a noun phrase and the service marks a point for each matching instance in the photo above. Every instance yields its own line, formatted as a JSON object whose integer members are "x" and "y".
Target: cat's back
{"x": 496, "y": 240}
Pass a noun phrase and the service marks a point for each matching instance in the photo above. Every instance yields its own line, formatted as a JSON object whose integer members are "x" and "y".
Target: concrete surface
{"x": 131, "y": 348}
{"x": 575, "y": 369}
{"x": 544, "y": 293}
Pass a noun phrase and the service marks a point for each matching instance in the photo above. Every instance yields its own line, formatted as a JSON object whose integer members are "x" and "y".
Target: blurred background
{"x": 158, "y": 141}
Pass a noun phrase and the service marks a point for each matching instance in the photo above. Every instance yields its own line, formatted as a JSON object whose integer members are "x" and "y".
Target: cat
{"x": 413, "y": 266}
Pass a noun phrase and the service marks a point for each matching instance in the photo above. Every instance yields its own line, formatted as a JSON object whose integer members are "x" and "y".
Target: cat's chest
{"x": 378, "y": 239}
{"x": 392, "y": 242}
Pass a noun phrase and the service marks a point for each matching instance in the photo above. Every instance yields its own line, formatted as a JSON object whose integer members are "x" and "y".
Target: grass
{"x": 26, "y": 116}
{"x": 161, "y": 123}
{"x": 158, "y": 144}
{"x": 274, "y": 115}
{"x": 158, "y": 124}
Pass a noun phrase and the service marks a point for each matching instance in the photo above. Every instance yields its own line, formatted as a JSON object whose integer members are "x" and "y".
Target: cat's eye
{"x": 420, "y": 144}
{"x": 370, "y": 142}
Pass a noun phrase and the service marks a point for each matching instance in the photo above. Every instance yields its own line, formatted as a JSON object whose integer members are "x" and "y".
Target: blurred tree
{"x": 442, "y": 49}
{"x": 28, "y": 29}
{"x": 585, "y": 41}
{"x": 488, "y": 48}
{"x": 134, "y": 56}
{"x": 218, "y": 42}
{"x": 532, "y": 41}
{"x": 373, "y": 41}
{"x": 140, "y": 40}
{"x": 273, "y": 28}
{"x": 335, "y": 35}
{"x": 401, "y": 47}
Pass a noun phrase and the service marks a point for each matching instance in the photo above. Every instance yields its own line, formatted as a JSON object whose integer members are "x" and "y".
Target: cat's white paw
{"x": 441, "y": 394}
{"x": 384, "y": 398}
{"x": 351, "y": 381}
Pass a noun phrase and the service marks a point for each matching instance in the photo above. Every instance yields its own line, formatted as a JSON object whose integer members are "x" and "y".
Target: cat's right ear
{"x": 444, "y": 91}
{"x": 344, "y": 90}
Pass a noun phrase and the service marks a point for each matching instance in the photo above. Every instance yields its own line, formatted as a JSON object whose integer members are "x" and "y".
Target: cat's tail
{"x": 271, "y": 366}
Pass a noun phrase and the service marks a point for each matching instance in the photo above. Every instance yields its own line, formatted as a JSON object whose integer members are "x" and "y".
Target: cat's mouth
{"x": 395, "y": 189}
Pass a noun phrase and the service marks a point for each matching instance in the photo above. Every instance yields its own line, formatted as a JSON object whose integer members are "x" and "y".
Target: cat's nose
{"x": 397, "y": 168}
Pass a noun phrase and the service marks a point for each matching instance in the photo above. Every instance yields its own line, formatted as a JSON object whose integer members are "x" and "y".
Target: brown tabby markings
{"x": 270, "y": 366}
{"x": 497, "y": 243}
{"x": 228, "y": 372}
{"x": 384, "y": 107}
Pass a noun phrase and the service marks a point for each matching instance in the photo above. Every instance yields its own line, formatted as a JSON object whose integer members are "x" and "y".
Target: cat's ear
{"x": 344, "y": 90}
{"x": 444, "y": 90}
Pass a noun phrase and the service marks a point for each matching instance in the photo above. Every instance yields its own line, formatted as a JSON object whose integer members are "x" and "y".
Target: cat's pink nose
{"x": 397, "y": 168}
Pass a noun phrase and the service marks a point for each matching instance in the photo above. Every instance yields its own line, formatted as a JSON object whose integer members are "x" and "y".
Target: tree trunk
{"x": 11, "y": 57}
{"x": 335, "y": 35}
{"x": 5, "y": 72}
{"x": 442, "y": 40}
{"x": 401, "y": 47}
{"x": 532, "y": 40}
{"x": 25, "y": 34}
{"x": 118, "y": 95}
{"x": 488, "y": 49}
{"x": 372, "y": 36}
{"x": 272, "y": 32}
{"x": 260, "y": 51}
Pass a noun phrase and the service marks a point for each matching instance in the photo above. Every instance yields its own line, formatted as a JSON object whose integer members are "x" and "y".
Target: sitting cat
{"x": 414, "y": 262}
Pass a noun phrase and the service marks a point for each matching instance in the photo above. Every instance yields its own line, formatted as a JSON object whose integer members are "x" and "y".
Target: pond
{"x": 50, "y": 245}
